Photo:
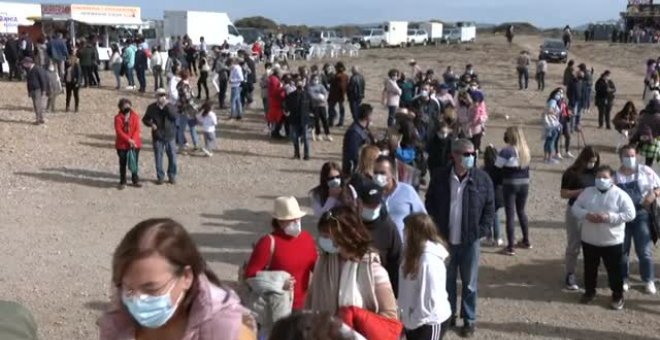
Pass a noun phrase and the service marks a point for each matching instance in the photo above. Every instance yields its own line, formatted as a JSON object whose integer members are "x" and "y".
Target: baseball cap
{"x": 370, "y": 193}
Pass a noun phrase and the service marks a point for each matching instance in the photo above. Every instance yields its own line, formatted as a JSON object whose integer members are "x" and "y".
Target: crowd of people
{"x": 383, "y": 253}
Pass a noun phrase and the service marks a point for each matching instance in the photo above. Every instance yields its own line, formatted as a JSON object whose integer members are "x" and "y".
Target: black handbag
{"x": 654, "y": 226}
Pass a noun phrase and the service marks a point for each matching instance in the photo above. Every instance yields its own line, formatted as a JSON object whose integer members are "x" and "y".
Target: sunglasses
{"x": 380, "y": 173}
{"x": 468, "y": 154}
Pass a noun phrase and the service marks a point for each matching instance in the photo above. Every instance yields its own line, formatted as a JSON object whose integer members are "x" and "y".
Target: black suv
{"x": 554, "y": 50}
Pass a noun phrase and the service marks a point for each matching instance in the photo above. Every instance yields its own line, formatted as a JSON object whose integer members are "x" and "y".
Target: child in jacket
{"x": 423, "y": 298}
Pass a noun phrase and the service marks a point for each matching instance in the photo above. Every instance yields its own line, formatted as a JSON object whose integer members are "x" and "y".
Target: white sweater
{"x": 616, "y": 203}
{"x": 424, "y": 301}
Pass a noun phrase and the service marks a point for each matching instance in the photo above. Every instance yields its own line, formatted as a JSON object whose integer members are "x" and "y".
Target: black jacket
{"x": 605, "y": 90}
{"x": 141, "y": 62}
{"x": 164, "y": 119}
{"x": 386, "y": 239}
{"x": 355, "y": 137}
{"x": 299, "y": 105}
{"x": 356, "y": 87}
{"x": 252, "y": 76}
{"x": 87, "y": 56}
{"x": 478, "y": 203}
{"x": 439, "y": 150}
{"x": 37, "y": 79}
{"x": 11, "y": 51}
{"x": 76, "y": 74}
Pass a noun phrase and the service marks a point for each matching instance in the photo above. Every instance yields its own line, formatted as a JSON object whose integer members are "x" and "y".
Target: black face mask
{"x": 126, "y": 110}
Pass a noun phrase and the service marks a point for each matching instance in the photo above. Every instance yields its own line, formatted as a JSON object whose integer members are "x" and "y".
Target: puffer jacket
{"x": 267, "y": 297}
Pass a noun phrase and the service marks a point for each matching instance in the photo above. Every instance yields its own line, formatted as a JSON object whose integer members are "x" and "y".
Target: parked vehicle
{"x": 251, "y": 34}
{"x": 434, "y": 30}
{"x": 371, "y": 37}
{"x": 468, "y": 31}
{"x": 417, "y": 37}
{"x": 554, "y": 50}
{"x": 216, "y": 28}
{"x": 451, "y": 35}
{"x": 326, "y": 37}
{"x": 396, "y": 33}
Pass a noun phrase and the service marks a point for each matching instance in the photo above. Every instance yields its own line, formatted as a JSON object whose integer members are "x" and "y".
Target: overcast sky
{"x": 542, "y": 13}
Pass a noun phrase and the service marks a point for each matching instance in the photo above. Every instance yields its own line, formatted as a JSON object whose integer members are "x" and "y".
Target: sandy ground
{"x": 62, "y": 215}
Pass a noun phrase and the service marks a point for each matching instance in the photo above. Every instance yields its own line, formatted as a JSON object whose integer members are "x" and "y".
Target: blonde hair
{"x": 368, "y": 156}
{"x": 515, "y": 137}
{"x": 419, "y": 228}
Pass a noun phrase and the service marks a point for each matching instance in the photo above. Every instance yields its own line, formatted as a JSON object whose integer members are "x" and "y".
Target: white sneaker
{"x": 207, "y": 153}
{"x": 500, "y": 242}
{"x": 328, "y": 138}
{"x": 558, "y": 156}
{"x": 313, "y": 136}
{"x": 570, "y": 155}
{"x": 626, "y": 286}
{"x": 650, "y": 288}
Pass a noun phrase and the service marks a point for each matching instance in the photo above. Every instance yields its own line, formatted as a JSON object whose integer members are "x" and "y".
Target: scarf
{"x": 336, "y": 284}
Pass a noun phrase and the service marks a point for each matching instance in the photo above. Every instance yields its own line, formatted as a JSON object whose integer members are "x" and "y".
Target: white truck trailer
{"x": 216, "y": 28}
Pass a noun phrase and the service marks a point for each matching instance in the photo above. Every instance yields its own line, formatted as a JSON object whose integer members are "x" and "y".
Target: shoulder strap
{"x": 272, "y": 251}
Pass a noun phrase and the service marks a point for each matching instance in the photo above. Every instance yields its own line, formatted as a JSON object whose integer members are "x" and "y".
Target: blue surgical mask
{"x": 151, "y": 311}
{"x": 370, "y": 215}
{"x": 334, "y": 183}
{"x": 327, "y": 245}
{"x": 468, "y": 162}
{"x": 603, "y": 184}
{"x": 629, "y": 162}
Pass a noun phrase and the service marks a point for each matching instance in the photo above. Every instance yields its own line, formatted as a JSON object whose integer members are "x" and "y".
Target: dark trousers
{"x": 428, "y": 332}
{"x": 321, "y": 118}
{"x": 201, "y": 82}
{"x": 142, "y": 78}
{"x": 158, "y": 77}
{"x": 14, "y": 71}
{"x": 523, "y": 78}
{"x": 566, "y": 130}
{"x": 72, "y": 88}
{"x": 222, "y": 94}
{"x": 332, "y": 107}
{"x": 299, "y": 135}
{"x": 476, "y": 141}
{"x": 87, "y": 75}
{"x": 95, "y": 73}
{"x": 123, "y": 162}
{"x": 391, "y": 115}
{"x": 354, "y": 105}
{"x": 191, "y": 66}
{"x": 649, "y": 161}
{"x": 604, "y": 110}
{"x": 515, "y": 199}
{"x": 247, "y": 89}
{"x": 540, "y": 79}
{"x": 612, "y": 258}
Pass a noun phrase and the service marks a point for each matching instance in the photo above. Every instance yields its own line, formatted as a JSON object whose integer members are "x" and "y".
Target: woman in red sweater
{"x": 294, "y": 251}
{"x": 127, "y": 141}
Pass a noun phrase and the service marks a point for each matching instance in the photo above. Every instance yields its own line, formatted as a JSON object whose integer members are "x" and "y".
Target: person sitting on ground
{"x": 162, "y": 287}
{"x": 626, "y": 119}
{"x": 332, "y": 191}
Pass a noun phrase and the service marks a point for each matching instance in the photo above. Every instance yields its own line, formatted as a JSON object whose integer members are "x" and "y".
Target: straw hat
{"x": 287, "y": 208}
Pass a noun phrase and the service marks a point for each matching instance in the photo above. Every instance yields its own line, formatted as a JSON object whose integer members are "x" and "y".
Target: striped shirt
{"x": 509, "y": 163}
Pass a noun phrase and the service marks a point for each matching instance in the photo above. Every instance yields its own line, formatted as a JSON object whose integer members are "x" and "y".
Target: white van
{"x": 216, "y": 28}
{"x": 434, "y": 30}
{"x": 396, "y": 33}
{"x": 468, "y": 31}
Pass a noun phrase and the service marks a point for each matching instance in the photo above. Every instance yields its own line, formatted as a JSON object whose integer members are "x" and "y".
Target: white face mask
{"x": 380, "y": 180}
{"x": 293, "y": 229}
{"x": 334, "y": 183}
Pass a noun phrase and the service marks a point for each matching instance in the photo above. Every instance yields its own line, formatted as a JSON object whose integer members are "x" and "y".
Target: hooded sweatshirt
{"x": 424, "y": 300}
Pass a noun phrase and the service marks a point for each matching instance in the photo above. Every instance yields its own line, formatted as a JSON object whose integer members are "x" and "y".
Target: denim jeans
{"x": 515, "y": 199}
{"x": 129, "y": 76}
{"x": 116, "y": 70}
{"x": 551, "y": 141}
{"x": 168, "y": 147}
{"x": 495, "y": 230}
{"x": 464, "y": 259}
{"x": 181, "y": 124}
{"x": 332, "y": 112}
{"x": 236, "y": 106}
{"x": 158, "y": 76}
{"x": 209, "y": 140}
{"x": 354, "y": 105}
{"x": 391, "y": 112}
{"x": 573, "y": 241}
{"x": 192, "y": 124}
{"x": 298, "y": 133}
{"x": 523, "y": 78}
{"x": 638, "y": 230}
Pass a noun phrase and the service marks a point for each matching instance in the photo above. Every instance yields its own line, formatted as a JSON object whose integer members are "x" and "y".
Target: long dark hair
{"x": 322, "y": 191}
{"x": 583, "y": 158}
{"x": 554, "y": 93}
{"x": 169, "y": 239}
{"x": 348, "y": 231}
{"x": 629, "y": 108}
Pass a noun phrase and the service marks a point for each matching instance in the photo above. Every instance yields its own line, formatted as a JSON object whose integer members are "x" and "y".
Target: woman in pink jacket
{"x": 478, "y": 118}
{"x": 164, "y": 290}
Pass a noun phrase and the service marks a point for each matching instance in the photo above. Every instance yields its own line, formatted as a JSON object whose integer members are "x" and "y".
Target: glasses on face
{"x": 468, "y": 154}
{"x": 152, "y": 291}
